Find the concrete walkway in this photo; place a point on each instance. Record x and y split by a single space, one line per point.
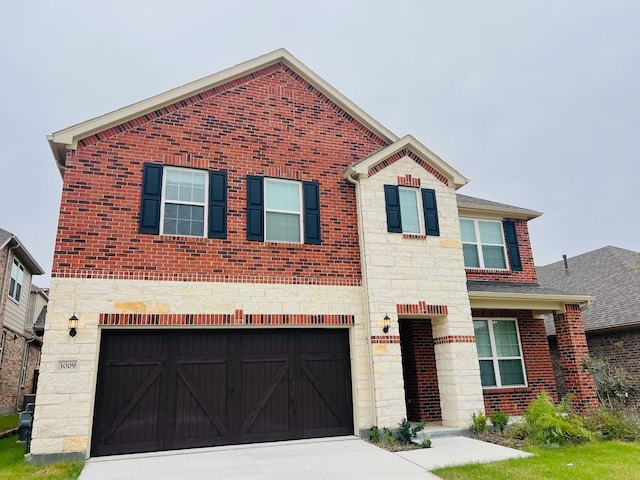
338 458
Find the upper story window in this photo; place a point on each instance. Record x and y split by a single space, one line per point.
183 201
184 206
483 244
283 210
403 210
499 352
17 277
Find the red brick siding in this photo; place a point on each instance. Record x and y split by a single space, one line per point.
419 370
528 273
620 349
572 348
268 123
537 361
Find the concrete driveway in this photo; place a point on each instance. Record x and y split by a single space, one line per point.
338 458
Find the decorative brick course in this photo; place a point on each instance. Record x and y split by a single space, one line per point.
421 308
408 181
407 153
236 318
385 339
454 339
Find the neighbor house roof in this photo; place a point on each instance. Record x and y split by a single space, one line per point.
67 139
8 239
611 275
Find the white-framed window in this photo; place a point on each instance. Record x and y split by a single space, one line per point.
483 244
283 211
499 352
184 202
17 277
409 210
3 338
25 359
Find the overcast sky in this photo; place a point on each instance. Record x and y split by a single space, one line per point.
536 102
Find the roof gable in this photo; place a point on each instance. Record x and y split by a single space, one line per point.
408 146
68 138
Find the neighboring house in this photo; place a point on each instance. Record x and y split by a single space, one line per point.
20 304
612 322
252 257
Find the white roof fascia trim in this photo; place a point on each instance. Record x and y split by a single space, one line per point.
528 301
70 135
493 211
361 169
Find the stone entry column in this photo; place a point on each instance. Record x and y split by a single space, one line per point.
572 348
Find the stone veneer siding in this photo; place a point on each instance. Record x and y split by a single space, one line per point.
405 269
59 429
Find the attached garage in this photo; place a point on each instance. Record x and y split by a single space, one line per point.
172 389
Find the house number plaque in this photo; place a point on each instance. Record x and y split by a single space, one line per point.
67 365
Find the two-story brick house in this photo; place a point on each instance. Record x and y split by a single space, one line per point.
20 305
252 257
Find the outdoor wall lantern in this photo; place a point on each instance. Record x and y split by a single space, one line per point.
73 325
386 323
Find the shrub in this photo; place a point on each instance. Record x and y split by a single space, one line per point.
499 420
551 424
374 434
479 423
612 383
425 443
388 436
621 424
406 433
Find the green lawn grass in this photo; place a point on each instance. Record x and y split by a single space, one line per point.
8 421
590 461
13 466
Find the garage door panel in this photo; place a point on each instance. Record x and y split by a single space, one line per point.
178 389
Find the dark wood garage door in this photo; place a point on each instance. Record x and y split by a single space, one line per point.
171 389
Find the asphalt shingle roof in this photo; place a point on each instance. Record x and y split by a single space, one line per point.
611 275
521 288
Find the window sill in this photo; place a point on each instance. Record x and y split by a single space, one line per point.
487 270
502 390
416 236
283 245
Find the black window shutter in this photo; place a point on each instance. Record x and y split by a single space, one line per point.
431 224
392 203
149 221
512 245
311 198
217 204
255 208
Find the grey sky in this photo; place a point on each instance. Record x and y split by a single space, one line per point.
537 102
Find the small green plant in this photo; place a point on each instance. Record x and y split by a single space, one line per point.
499 420
388 436
479 423
425 443
551 424
374 434
406 433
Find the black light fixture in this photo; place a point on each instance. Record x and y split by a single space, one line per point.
73 325
386 323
